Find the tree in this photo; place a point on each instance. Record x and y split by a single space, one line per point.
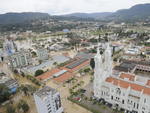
33 53
87 70
10 109
24 89
22 105
4 93
39 72
16 71
55 63
40 61
92 63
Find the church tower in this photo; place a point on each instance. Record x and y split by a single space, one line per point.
103 69
108 60
98 69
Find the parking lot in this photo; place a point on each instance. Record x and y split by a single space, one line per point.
85 100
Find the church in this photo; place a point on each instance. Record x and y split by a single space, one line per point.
125 91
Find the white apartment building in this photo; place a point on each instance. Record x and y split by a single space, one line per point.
125 91
20 59
48 100
42 54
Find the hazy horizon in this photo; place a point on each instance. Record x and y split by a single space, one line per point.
60 7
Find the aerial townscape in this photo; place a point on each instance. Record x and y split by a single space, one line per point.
75 62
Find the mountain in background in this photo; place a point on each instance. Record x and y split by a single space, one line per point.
15 18
135 13
89 15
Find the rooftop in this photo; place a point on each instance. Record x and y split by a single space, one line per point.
139 62
10 82
125 67
48 74
127 76
148 83
58 74
124 83
76 65
45 91
85 55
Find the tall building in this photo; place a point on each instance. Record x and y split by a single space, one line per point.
42 54
9 47
48 101
125 91
20 59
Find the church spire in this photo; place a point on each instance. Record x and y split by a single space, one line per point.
98 51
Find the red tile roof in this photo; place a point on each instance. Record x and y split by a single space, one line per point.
126 84
148 83
48 74
64 77
127 76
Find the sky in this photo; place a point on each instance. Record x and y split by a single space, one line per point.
59 7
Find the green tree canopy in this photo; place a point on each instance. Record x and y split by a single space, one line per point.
10 109
23 106
39 72
92 63
4 93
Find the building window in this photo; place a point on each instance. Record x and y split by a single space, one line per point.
137 106
143 108
134 105
145 100
111 97
57 102
50 111
118 91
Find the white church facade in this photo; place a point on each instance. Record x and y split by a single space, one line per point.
126 91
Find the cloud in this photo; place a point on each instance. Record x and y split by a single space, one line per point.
66 6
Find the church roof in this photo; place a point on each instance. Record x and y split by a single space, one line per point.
124 83
148 83
127 76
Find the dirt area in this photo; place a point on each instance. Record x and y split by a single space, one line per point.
71 53
68 106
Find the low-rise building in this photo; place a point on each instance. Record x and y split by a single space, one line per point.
10 83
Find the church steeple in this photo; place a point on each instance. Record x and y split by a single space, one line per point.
103 68
98 61
108 60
